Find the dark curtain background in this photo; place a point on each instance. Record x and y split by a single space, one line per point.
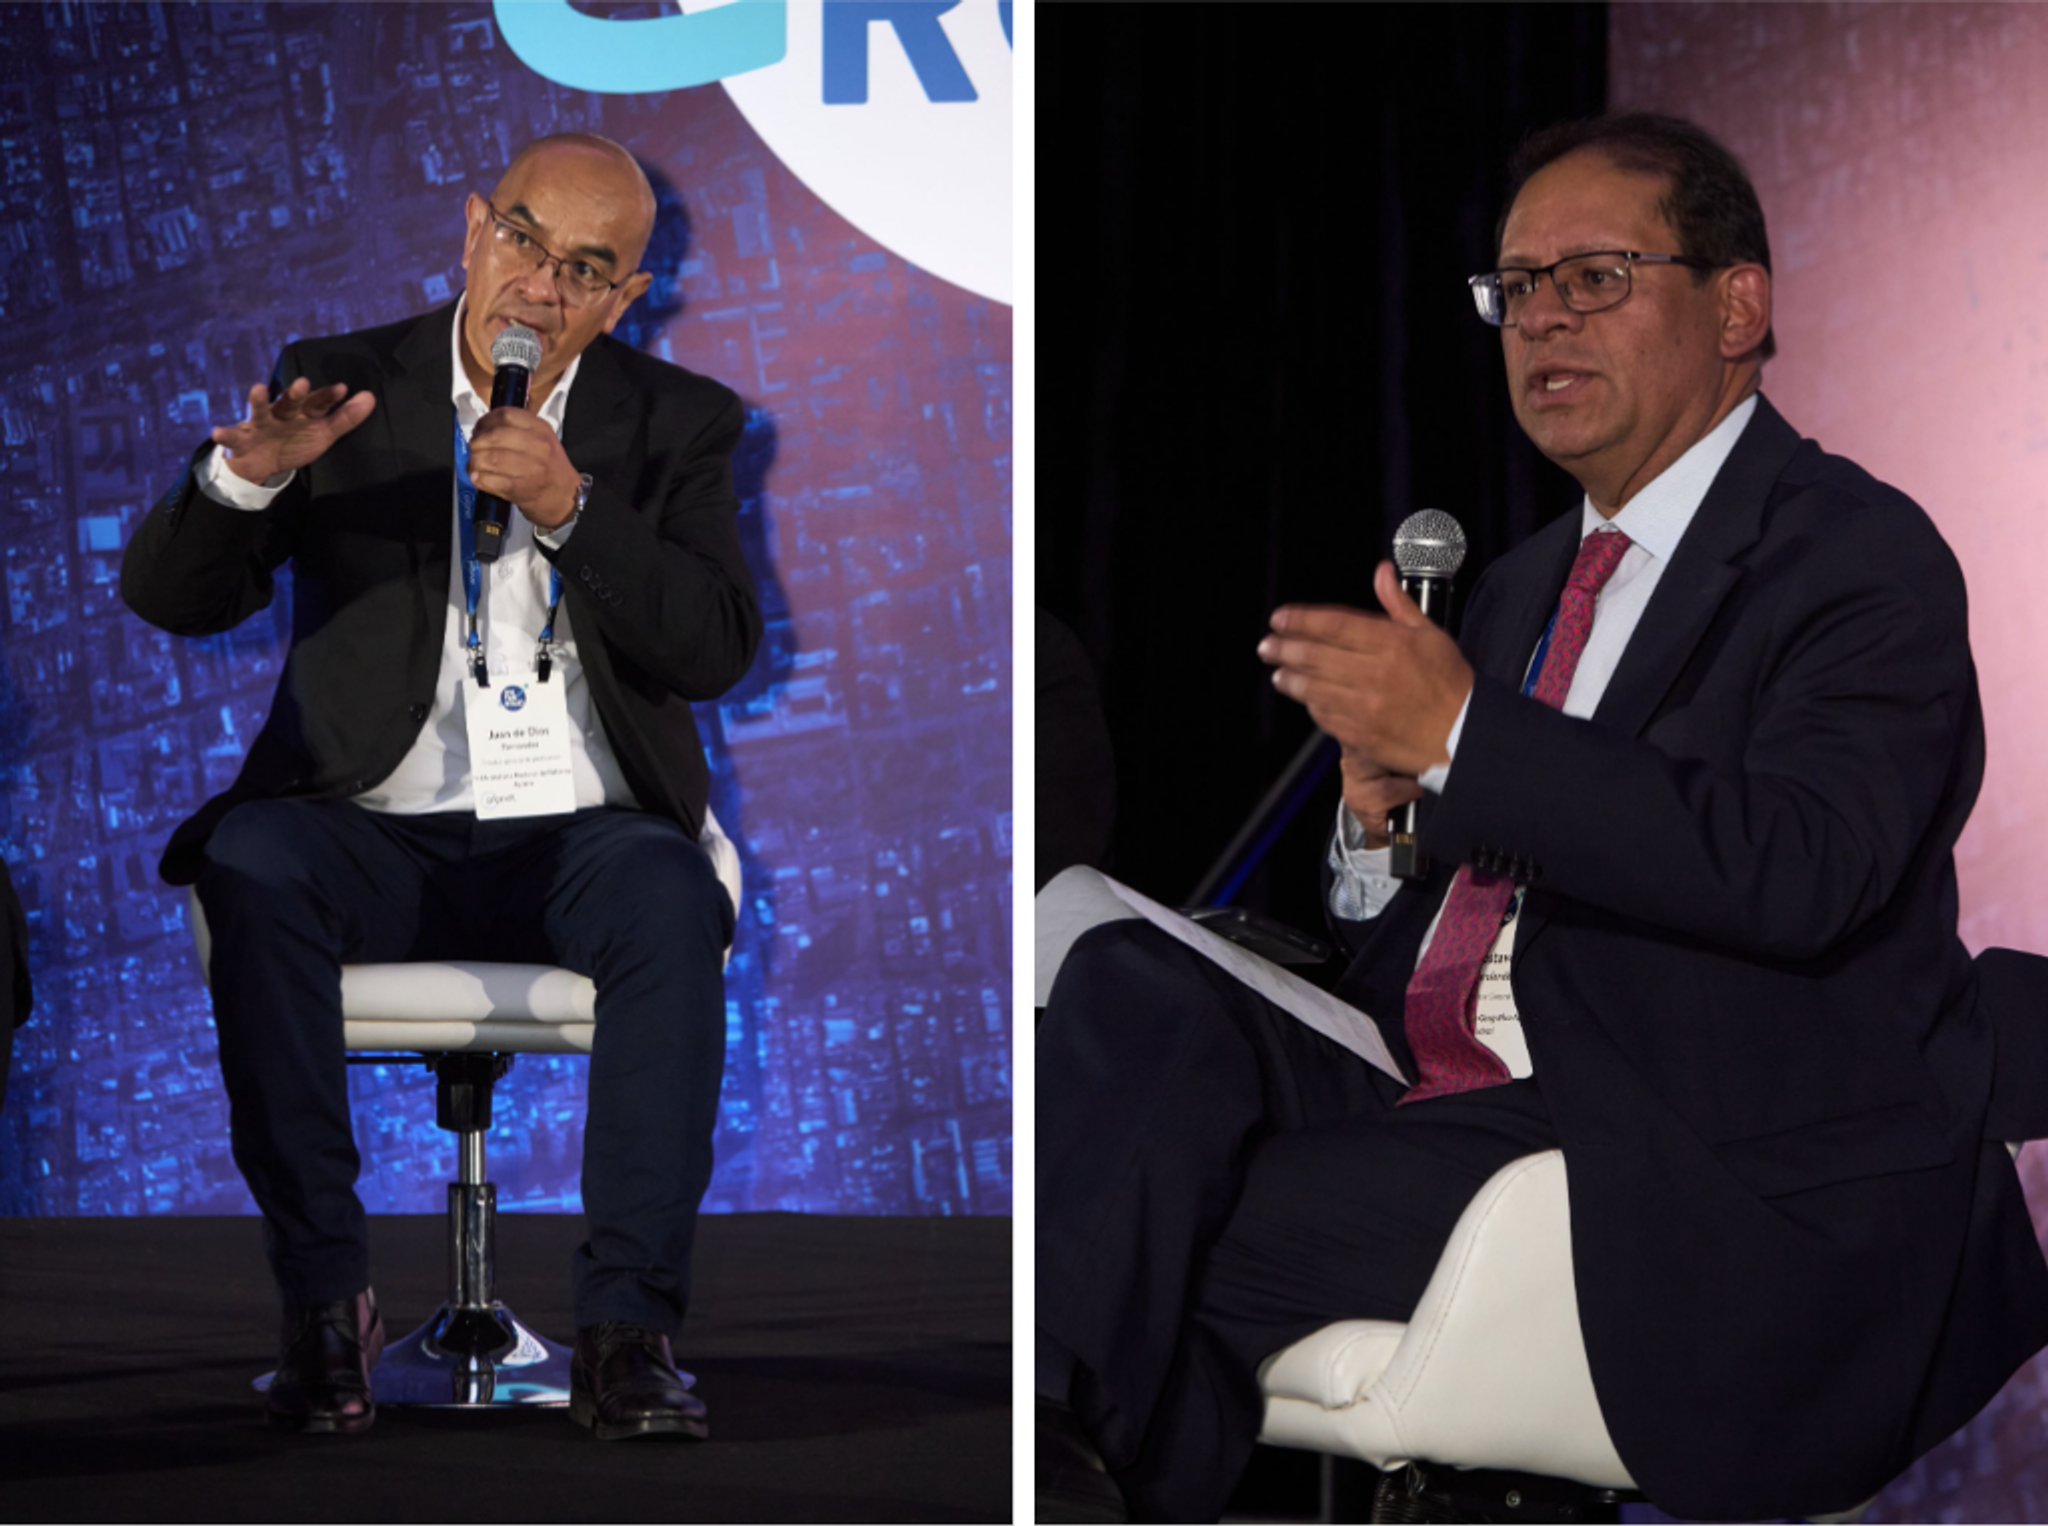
1257 355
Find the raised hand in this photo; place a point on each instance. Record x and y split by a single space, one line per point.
1387 688
292 432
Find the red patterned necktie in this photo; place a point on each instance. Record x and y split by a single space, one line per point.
1441 993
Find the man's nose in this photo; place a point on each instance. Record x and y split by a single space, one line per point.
1544 312
538 284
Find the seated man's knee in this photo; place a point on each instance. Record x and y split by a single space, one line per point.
1129 958
657 888
261 843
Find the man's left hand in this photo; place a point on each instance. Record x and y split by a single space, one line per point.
515 455
1388 689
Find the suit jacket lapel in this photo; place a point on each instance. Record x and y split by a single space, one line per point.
1702 571
1528 608
422 419
601 422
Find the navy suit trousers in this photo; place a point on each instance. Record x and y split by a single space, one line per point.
1215 1181
294 889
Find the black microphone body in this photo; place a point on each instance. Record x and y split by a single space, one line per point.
1428 550
514 354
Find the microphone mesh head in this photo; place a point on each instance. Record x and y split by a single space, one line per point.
1429 544
518 345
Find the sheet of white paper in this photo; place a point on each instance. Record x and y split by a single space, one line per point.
1497 1022
1080 898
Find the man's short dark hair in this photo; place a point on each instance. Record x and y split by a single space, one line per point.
1711 205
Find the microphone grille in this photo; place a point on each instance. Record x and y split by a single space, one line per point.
517 345
1429 544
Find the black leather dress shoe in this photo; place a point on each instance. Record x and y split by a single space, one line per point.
322 1382
623 1384
1073 1486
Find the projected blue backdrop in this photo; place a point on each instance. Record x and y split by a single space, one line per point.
184 189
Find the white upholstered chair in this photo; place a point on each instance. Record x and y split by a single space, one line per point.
1490 1373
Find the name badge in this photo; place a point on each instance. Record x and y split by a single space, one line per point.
519 748
1496 1022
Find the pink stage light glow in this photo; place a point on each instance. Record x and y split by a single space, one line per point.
1901 154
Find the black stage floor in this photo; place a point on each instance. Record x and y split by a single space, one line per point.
856 1369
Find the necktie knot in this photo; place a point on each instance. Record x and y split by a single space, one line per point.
1599 554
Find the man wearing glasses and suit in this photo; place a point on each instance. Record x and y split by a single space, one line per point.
1696 766
355 832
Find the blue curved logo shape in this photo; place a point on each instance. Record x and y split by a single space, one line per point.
652 53
512 697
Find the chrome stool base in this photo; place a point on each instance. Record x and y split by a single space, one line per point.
472 1359
469 1359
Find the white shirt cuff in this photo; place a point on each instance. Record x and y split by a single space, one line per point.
1361 882
558 537
224 487
1434 779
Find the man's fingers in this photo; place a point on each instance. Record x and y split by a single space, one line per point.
1310 655
1331 624
317 405
1401 609
1391 793
353 412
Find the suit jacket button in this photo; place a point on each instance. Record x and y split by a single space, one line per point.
588 575
417 712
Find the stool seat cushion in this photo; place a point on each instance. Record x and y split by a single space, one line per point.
431 992
509 1008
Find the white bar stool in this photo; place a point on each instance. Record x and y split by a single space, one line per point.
467 1020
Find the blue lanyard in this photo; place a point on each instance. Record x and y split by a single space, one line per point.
1536 662
473 572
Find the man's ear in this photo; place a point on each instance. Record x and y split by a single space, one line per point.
474 216
1745 310
626 296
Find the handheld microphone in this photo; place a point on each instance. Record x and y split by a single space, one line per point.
515 355
1429 548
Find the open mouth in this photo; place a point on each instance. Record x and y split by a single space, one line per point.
1557 386
503 321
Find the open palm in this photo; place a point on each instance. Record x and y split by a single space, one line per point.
292 432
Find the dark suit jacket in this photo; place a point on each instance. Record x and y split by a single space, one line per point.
662 603
1799 1262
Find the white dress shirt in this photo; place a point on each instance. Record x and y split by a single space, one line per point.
1655 520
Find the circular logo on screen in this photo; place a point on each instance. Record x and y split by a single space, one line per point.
512 697
898 118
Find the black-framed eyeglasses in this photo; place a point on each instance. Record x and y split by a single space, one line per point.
577 280
1586 283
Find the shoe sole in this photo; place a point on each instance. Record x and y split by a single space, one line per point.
583 1410
319 1425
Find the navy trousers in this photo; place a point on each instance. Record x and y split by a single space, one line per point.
294 889
1216 1181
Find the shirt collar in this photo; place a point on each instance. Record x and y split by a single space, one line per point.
469 407
1657 517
